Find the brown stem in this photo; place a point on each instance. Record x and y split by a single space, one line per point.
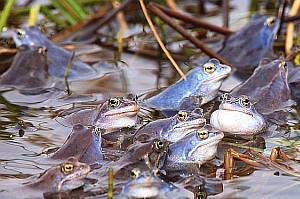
193 20
81 25
185 34
107 18
228 165
225 5
291 18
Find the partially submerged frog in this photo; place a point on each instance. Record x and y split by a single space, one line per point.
83 143
202 81
237 116
58 57
245 48
29 69
195 148
146 184
174 128
113 114
61 177
268 90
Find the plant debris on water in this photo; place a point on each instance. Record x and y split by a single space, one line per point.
149 99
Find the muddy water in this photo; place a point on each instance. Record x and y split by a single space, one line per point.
21 156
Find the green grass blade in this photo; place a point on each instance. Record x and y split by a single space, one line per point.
66 15
47 12
33 14
5 13
77 8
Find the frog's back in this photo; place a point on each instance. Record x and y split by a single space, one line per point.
58 57
245 48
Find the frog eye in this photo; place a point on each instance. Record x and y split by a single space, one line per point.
158 145
114 102
209 67
202 134
244 101
182 115
98 131
135 173
226 97
271 21
21 33
283 65
67 168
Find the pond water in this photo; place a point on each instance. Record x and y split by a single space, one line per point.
21 155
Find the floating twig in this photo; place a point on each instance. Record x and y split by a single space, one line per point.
185 34
5 13
290 27
159 40
195 21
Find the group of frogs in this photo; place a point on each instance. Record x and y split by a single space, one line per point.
195 116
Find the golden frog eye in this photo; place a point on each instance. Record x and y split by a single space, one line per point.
98 131
67 168
202 134
182 115
244 101
135 173
209 68
271 21
158 144
114 102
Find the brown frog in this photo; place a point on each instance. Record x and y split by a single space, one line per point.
113 114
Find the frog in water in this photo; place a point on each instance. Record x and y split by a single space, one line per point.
113 114
195 148
268 90
29 69
83 143
202 81
146 184
61 177
174 128
237 116
245 48
58 57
